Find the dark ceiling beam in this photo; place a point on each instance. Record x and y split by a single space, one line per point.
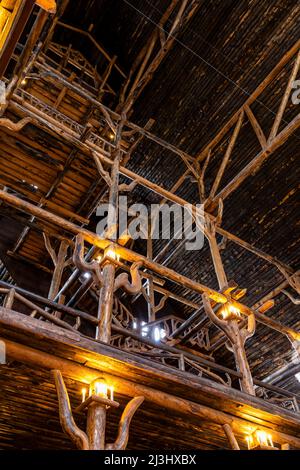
96 44
164 193
165 41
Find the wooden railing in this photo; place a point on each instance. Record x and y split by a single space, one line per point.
43 309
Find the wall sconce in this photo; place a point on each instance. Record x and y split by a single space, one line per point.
100 393
260 440
100 389
229 312
109 255
97 403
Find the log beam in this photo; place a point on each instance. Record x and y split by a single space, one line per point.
86 375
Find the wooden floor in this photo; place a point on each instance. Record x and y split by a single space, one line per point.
29 408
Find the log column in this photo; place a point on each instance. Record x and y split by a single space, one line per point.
237 338
107 290
59 262
96 424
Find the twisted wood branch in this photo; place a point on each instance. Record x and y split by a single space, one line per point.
15 126
133 287
78 260
124 425
67 422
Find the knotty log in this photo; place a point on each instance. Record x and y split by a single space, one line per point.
86 375
133 257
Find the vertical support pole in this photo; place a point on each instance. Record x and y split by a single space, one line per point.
231 437
58 270
150 290
211 235
96 424
237 338
103 332
246 382
217 260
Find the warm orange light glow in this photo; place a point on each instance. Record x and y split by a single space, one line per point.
264 438
83 391
48 5
101 389
249 440
228 311
259 439
110 253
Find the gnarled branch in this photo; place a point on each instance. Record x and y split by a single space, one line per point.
122 281
249 331
105 174
14 126
126 188
292 299
82 265
222 324
49 248
123 433
67 422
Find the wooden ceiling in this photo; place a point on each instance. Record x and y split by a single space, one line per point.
222 55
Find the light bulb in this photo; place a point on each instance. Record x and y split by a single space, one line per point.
101 389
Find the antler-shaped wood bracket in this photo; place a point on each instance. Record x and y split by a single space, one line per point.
94 438
133 287
78 259
237 337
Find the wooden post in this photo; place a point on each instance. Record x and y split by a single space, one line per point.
150 287
285 98
106 298
210 233
241 358
59 262
96 424
231 437
227 156
237 338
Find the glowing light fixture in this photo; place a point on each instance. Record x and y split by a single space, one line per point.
259 440
144 329
102 389
159 334
229 312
